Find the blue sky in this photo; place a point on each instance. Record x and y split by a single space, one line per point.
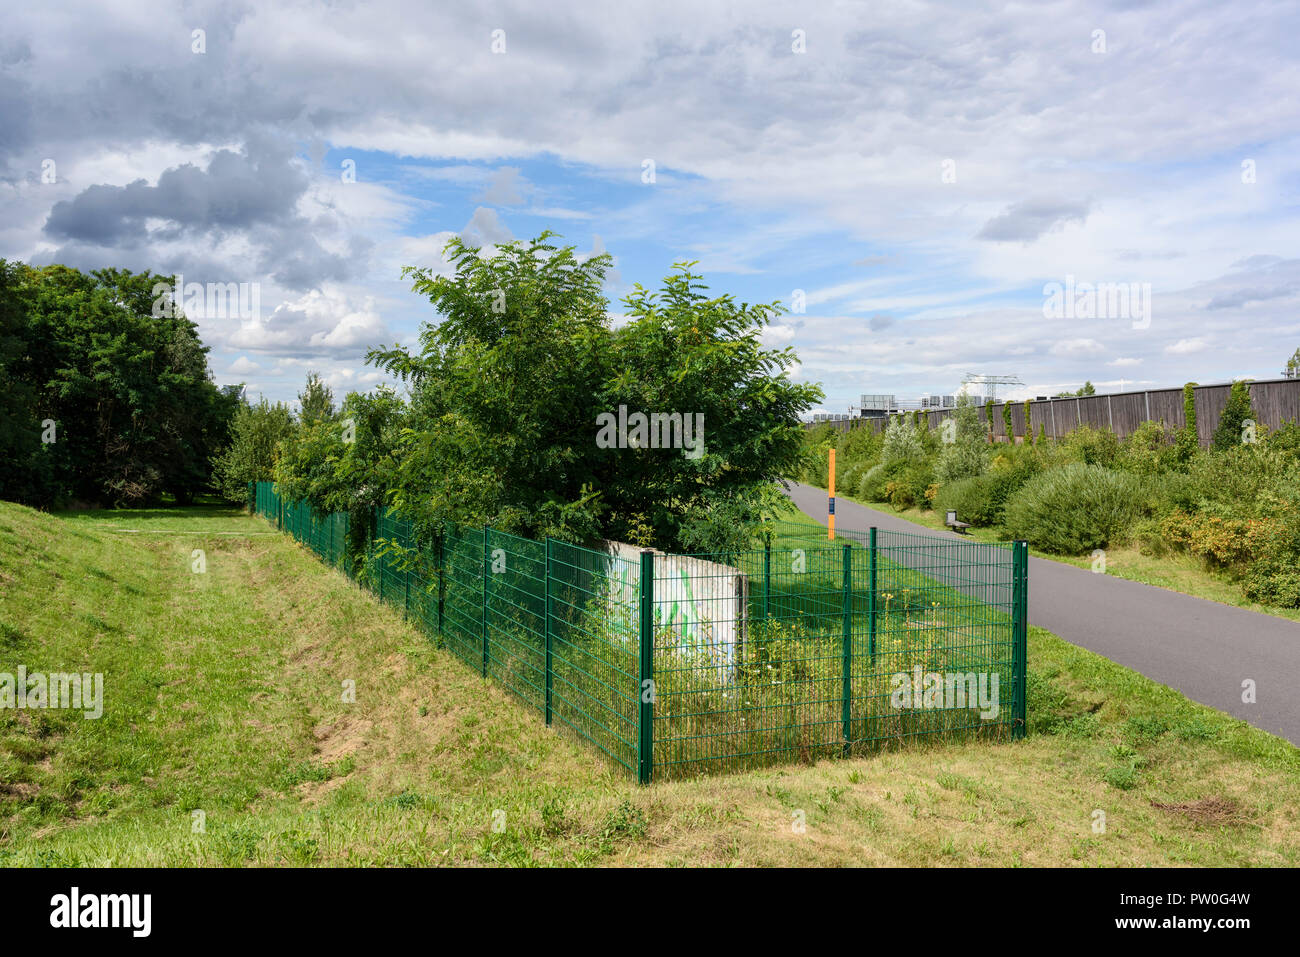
918 171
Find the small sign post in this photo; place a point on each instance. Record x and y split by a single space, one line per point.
830 514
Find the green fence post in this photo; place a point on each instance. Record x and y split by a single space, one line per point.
486 558
442 574
846 697
1020 633
871 598
546 626
383 560
767 578
406 600
645 689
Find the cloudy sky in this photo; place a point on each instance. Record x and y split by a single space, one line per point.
907 177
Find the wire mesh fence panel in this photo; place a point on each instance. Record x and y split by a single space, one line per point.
675 665
939 614
463 601
422 578
595 649
399 561
516 615
945 636
747 659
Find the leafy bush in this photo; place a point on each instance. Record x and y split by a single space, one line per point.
1236 413
1222 543
1150 450
1178 490
1273 583
960 460
1091 446
973 498
871 487
255 433
1246 481
910 487
860 443
1076 508
1149 537
513 446
1274 575
899 495
1285 439
980 500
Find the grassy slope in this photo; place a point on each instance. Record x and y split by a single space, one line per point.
1182 573
224 694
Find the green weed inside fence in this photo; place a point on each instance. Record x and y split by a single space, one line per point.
674 665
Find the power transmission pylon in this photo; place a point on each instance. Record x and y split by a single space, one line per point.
991 382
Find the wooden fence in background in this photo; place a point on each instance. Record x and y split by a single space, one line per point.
1274 400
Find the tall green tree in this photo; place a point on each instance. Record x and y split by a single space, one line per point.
964 449
24 472
514 390
344 463
256 433
134 410
502 389
316 400
701 356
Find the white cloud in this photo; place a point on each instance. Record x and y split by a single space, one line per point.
506 189
781 170
321 322
1078 347
485 228
1186 347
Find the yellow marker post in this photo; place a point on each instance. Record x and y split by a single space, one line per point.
830 515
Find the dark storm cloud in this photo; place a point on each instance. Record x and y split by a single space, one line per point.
235 192
15 120
254 193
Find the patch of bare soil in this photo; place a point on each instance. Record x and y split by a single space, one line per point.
1213 811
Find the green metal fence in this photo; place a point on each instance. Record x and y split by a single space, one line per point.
673 665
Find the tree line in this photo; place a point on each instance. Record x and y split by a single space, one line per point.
103 403
495 418
497 421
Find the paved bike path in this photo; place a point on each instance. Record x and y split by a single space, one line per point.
1202 648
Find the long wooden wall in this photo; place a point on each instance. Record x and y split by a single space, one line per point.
1275 401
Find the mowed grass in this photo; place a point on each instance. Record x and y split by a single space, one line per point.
224 693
